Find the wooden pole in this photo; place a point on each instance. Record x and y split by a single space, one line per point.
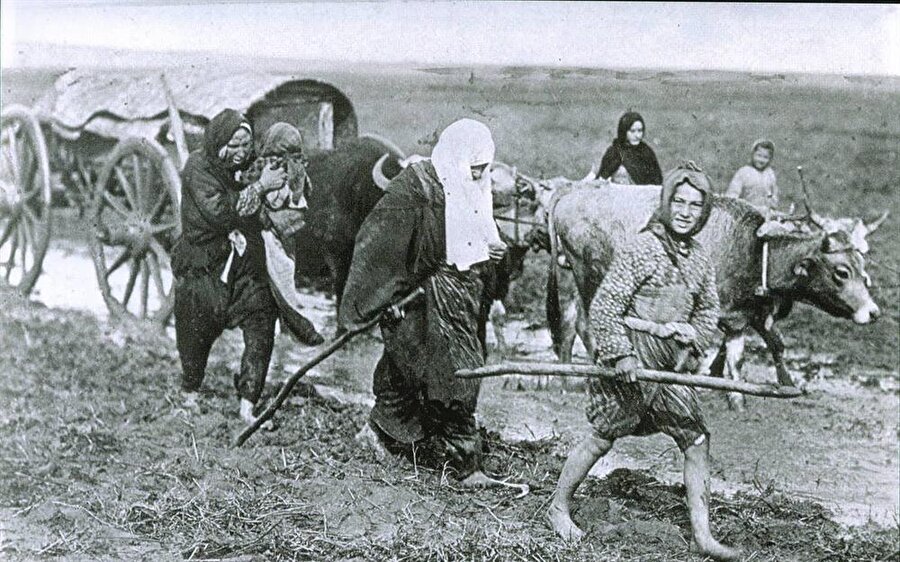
575 370
335 345
177 126
806 202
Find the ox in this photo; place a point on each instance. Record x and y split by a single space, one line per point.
821 268
342 194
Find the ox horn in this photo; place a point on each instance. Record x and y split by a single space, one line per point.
873 226
378 175
387 143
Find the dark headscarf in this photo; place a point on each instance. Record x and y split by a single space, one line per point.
639 160
661 221
220 130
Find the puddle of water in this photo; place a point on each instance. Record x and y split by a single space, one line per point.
68 281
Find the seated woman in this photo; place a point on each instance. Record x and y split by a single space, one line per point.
629 160
282 217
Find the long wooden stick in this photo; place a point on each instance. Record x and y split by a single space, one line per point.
575 370
177 126
335 345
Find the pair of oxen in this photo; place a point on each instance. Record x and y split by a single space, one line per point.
809 259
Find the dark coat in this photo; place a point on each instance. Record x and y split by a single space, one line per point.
400 244
209 194
639 160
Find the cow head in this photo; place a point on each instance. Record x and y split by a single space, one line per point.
833 278
855 228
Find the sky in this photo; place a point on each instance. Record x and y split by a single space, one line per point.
840 39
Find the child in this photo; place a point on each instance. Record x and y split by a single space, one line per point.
755 183
282 217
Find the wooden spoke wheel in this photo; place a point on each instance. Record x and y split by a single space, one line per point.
24 199
136 221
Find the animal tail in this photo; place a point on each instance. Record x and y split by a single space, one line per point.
554 313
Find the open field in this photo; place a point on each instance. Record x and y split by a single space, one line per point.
102 463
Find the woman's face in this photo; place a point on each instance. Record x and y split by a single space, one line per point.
477 171
237 151
685 208
635 134
761 158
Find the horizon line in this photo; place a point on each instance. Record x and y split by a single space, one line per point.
410 62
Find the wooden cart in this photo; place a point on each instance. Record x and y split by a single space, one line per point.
112 143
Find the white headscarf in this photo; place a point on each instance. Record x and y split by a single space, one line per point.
469 209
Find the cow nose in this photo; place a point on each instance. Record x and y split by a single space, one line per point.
876 312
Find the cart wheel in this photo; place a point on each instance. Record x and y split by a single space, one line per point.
136 221
24 199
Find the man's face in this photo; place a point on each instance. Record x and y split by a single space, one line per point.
477 171
238 148
685 208
635 133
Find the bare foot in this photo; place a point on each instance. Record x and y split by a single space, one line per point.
191 401
250 419
561 522
716 550
479 479
369 439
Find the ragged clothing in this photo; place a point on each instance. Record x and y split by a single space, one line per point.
417 396
219 265
401 246
650 297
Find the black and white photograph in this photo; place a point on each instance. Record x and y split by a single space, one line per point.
449 281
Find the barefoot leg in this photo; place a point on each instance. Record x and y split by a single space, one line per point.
696 482
577 466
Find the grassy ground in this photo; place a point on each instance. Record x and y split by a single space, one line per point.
103 464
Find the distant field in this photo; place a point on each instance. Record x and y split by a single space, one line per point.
845 132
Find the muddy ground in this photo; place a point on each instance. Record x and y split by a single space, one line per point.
100 462
103 463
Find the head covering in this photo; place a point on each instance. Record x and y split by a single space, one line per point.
468 211
661 221
283 146
281 139
639 160
220 130
763 143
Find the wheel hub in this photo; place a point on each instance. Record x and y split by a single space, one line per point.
135 232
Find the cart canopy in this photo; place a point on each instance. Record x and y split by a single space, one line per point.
119 104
